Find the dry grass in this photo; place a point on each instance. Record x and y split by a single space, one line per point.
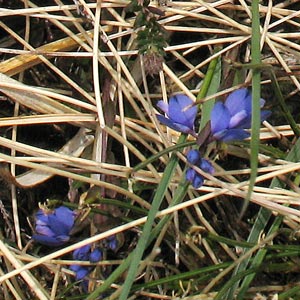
104 38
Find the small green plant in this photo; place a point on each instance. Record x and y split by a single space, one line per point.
151 36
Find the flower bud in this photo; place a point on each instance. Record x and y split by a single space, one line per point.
193 157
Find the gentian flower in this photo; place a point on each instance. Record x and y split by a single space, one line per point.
53 228
85 254
181 113
194 158
230 119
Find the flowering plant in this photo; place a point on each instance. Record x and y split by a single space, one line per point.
194 158
85 254
53 228
181 113
230 119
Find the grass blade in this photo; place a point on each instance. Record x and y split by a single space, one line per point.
255 121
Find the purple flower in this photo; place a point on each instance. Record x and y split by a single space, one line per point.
112 242
194 178
95 255
181 113
194 158
230 119
206 166
85 254
82 253
80 271
53 229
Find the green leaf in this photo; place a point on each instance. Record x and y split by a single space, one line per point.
255 121
207 106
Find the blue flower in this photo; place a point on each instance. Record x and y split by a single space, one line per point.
181 113
85 254
194 158
82 253
194 178
95 255
53 228
112 243
230 119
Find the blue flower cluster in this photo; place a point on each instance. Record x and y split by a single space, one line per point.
194 158
53 227
85 254
228 122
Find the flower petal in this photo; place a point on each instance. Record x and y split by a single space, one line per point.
75 268
246 123
198 181
82 253
264 115
184 129
163 106
44 230
262 102
41 217
248 103
165 121
220 118
112 242
63 238
235 134
173 125
190 174
58 227
179 113
193 157
82 272
61 221
194 178
206 166
47 240
238 118
66 216
95 256
238 100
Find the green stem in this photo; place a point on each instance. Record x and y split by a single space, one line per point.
255 121
142 243
156 156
